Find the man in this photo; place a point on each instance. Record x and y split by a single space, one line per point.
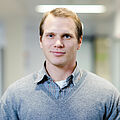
60 90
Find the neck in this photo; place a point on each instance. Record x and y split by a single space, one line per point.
58 73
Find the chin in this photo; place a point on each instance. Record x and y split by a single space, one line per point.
58 63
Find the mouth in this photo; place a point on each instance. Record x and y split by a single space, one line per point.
58 53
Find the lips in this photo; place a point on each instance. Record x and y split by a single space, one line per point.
58 53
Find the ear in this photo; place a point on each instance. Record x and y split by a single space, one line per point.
41 42
80 42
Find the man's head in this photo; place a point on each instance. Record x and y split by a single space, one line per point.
63 12
60 37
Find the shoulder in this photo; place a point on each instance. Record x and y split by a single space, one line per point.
98 81
19 87
100 86
22 83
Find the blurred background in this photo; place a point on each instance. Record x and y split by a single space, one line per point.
20 53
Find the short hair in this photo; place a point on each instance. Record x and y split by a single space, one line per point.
63 12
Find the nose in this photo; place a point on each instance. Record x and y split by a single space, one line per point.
58 43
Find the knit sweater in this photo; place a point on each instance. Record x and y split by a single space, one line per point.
92 98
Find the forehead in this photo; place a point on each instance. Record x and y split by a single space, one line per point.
59 24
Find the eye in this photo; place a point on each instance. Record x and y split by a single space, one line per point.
66 36
50 35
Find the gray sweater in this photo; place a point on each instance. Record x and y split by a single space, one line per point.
92 99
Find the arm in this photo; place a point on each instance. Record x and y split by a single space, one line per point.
8 107
113 111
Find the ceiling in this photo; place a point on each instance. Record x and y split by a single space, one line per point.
93 23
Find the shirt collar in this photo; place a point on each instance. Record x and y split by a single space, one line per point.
77 74
39 76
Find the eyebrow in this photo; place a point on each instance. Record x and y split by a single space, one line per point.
68 34
49 33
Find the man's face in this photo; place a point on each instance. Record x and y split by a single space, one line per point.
59 41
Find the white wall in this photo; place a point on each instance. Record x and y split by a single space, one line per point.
13 51
85 55
2 44
34 58
115 62
0 73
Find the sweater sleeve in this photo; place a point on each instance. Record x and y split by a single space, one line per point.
8 106
113 107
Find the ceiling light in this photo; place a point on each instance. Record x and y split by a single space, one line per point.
74 8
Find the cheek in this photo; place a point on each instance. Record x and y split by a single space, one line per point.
71 50
72 46
46 44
